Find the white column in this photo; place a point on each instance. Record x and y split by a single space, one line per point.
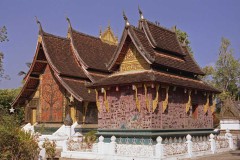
159 148
113 145
213 143
189 145
228 136
101 145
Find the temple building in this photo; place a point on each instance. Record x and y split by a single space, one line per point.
148 84
55 83
154 87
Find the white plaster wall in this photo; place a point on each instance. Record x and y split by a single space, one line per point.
230 124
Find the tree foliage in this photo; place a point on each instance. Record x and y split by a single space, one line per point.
225 75
183 38
3 37
6 98
16 144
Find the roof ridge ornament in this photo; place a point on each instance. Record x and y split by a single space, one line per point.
140 13
126 19
39 25
100 32
174 28
69 22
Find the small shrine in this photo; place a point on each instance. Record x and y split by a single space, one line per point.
230 115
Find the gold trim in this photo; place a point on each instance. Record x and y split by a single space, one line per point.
39 39
146 98
97 101
213 106
206 106
155 101
188 105
105 99
136 98
165 102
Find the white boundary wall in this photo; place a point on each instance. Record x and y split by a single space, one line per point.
174 148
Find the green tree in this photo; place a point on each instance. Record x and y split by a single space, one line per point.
183 38
225 75
3 37
6 98
227 71
209 71
16 144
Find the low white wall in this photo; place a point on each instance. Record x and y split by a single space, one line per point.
230 124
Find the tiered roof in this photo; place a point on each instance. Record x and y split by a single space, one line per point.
170 61
82 58
72 61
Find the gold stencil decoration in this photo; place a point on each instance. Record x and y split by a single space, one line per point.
213 106
146 98
136 98
108 36
105 99
206 106
133 61
189 103
155 101
97 101
165 102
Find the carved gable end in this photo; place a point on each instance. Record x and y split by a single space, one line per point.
108 37
133 60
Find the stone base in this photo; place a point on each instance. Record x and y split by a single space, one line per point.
152 134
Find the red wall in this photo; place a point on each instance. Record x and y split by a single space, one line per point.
124 115
51 98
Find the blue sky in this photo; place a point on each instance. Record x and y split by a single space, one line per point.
205 21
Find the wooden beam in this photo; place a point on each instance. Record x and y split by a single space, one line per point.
30 89
37 78
41 61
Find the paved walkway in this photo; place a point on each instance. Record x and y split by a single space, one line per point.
231 155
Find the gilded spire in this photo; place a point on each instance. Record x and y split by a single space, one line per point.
39 25
126 19
140 13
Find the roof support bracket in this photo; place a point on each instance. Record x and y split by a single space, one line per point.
146 98
165 102
155 101
136 98
188 105
97 101
206 106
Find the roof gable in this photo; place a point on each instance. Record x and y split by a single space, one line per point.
133 60
137 38
108 37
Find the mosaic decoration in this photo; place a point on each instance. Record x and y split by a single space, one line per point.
51 98
124 114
